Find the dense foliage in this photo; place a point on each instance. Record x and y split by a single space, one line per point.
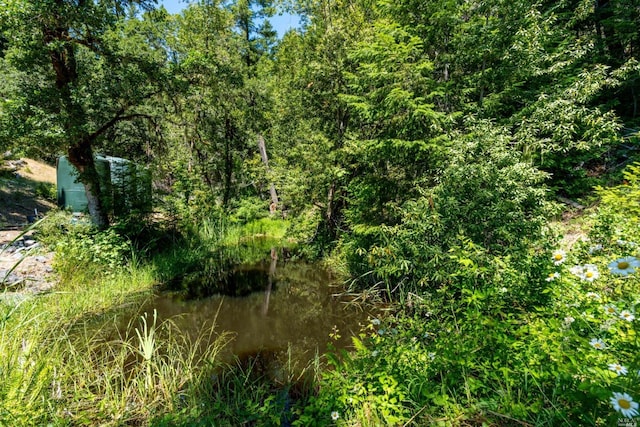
418 147
472 353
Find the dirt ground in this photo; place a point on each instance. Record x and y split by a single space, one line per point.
26 187
25 266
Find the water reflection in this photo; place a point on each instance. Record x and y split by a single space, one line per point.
293 308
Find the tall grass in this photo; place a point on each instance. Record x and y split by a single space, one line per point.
147 370
245 393
70 357
65 360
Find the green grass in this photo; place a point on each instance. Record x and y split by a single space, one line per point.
495 344
70 358
62 361
483 349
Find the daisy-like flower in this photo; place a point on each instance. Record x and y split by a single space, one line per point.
552 276
610 309
375 322
590 273
624 266
624 404
593 295
598 344
559 257
618 368
335 415
627 315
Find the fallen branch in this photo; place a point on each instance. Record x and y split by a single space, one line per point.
570 202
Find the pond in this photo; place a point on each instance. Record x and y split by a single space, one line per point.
282 314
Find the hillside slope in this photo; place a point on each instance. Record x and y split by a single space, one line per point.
26 186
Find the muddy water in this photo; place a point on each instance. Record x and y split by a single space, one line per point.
285 315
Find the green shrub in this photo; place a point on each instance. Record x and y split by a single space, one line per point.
58 224
250 209
489 211
47 191
535 337
80 248
489 194
623 199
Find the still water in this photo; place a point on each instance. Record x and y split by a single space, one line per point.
287 312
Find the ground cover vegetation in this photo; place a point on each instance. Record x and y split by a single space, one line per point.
419 148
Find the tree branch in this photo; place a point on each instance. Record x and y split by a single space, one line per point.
118 118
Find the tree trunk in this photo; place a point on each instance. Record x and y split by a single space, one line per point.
272 188
330 214
95 206
230 135
81 156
